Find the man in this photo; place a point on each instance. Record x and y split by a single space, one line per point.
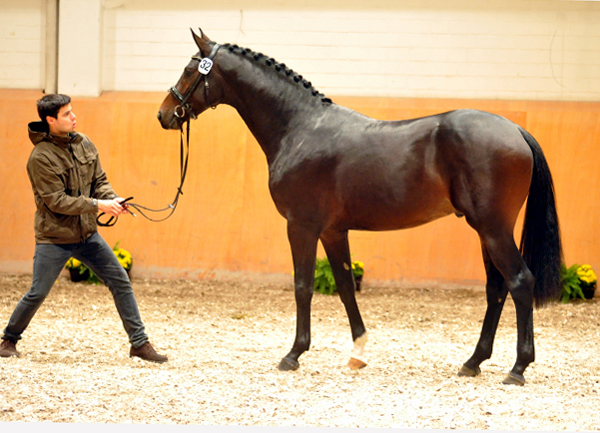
70 188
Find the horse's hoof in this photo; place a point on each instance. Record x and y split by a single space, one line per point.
466 371
514 379
356 364
288 365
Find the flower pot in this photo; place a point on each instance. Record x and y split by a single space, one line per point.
77 277
357 281
588 293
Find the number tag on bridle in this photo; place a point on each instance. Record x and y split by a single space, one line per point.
205 66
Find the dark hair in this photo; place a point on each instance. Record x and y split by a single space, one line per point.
51 104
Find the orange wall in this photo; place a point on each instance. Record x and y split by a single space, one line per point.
226 223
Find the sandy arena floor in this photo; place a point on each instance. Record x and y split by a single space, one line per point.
225 339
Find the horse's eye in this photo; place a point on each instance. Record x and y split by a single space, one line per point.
188 73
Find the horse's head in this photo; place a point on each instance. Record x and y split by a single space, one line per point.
194 92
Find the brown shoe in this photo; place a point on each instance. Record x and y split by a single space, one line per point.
8 349
147 352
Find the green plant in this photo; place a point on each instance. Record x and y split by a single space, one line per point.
325 283
123 256
574 280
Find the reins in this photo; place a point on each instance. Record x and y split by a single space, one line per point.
204 66
183 165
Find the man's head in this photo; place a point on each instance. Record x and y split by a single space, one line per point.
55 110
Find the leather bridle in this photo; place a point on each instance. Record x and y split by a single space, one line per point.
204 67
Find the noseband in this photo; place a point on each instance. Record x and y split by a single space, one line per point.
204 67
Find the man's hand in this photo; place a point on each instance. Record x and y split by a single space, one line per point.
112 207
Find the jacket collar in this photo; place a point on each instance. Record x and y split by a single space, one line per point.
38 132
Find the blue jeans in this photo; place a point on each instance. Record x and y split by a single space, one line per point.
95 253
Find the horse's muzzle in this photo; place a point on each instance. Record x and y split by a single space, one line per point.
169 121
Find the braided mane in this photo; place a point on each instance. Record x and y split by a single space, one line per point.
278 67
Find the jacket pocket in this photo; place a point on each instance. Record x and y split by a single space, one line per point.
57 227
85 166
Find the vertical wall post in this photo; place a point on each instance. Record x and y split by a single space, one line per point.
80 47
51 46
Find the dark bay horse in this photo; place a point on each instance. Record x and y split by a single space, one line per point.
332 169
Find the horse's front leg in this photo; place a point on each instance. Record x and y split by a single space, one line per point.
303 242
338 252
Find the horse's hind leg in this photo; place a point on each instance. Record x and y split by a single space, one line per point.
338 252
496 292
519 280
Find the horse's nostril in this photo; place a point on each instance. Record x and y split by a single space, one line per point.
159 115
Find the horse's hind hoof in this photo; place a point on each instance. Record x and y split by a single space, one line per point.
468 372
288 365
514 379
356 364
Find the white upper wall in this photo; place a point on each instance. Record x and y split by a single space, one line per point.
22 43
512 49
80 47
519 49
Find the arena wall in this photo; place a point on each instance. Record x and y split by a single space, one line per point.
514 49
533 61
226 223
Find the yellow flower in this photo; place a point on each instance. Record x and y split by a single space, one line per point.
73 263
124 257
586 274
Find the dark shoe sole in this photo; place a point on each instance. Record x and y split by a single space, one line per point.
161 361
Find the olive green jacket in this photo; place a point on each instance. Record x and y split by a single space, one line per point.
66 176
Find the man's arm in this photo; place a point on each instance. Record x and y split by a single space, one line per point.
51 188
107 200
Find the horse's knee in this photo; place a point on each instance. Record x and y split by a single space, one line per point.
303 298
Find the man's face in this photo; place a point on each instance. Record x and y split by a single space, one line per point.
64 123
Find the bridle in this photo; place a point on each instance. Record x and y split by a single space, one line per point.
204 67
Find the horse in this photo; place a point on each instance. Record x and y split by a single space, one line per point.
332 169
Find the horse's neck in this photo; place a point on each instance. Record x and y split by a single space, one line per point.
271 106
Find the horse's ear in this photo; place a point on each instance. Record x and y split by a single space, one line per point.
202 42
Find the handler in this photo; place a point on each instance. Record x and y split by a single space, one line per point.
70 188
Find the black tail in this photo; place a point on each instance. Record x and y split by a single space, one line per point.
540 240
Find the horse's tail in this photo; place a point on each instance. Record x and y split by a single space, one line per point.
540 239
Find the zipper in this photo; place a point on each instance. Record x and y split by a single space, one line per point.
76 168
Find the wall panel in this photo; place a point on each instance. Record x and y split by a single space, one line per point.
515 49
226 223
22 43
